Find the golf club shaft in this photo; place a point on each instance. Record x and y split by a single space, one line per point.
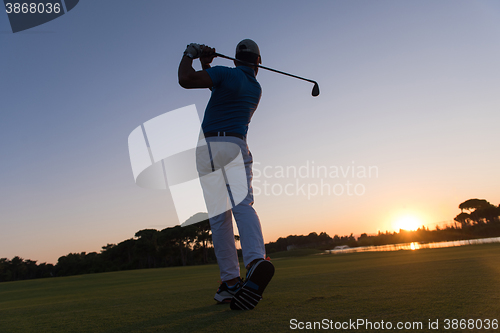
269 69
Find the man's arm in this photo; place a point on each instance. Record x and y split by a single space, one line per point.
189 78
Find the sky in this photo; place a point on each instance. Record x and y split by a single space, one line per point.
409 101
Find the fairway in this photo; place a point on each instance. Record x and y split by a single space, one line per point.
403 286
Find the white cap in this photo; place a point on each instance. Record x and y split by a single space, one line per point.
248 45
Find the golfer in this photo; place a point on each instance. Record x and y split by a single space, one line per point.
234 99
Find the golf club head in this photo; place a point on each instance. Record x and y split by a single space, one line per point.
315 91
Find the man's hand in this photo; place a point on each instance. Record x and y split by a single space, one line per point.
188 77
193 50
206 57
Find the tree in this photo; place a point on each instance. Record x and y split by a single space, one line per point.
486 214
464 219
5 274
181 238
480 212
147 247
17 268
204 238
473 204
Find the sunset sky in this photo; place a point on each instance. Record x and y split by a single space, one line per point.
410 91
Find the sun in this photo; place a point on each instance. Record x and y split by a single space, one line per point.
409 223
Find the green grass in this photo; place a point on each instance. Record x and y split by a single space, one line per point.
294 253
403 286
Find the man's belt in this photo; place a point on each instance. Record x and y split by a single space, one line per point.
210 134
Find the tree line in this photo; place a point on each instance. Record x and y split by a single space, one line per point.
478 219
150 248
192 245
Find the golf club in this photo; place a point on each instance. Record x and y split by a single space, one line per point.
315 91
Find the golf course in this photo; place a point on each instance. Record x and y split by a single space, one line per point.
428 285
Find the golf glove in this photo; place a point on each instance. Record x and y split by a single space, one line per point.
193 50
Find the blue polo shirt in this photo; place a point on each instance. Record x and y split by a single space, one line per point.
235 96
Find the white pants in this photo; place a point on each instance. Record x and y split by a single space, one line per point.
250 232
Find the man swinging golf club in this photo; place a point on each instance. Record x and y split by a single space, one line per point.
235 96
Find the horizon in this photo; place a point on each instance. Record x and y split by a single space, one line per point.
413 228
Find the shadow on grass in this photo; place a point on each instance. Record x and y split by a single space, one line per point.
203 318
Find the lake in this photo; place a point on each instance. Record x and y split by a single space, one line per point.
414 246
